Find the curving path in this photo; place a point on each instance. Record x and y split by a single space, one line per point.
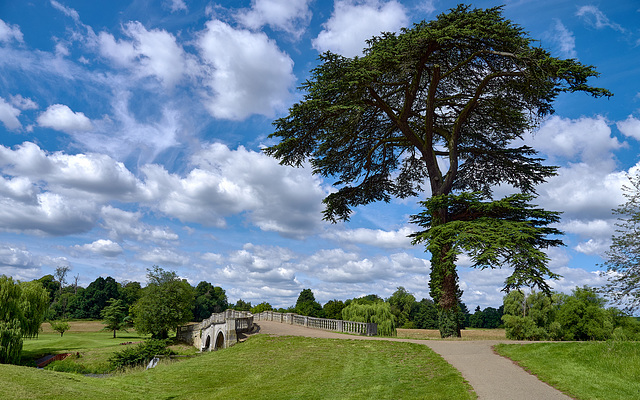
491 376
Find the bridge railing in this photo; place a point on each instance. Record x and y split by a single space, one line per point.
360 328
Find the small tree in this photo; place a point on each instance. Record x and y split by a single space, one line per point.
333 309
60 326
377 312
61 275
307 304
114 316
264 306
23 306
623 257
165 304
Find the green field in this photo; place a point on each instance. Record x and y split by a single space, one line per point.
263 367
584 370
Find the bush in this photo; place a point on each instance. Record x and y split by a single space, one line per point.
140 354
377 312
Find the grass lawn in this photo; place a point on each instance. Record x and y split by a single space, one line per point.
584 370
87 339
263 367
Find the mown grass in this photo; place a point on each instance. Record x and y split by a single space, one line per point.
263 367
584 370
90 345
467 334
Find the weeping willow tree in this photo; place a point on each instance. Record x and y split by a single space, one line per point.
440 108
23 306
377 312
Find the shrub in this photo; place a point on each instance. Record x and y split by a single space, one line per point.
140 354
377 312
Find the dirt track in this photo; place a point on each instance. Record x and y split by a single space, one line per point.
492 377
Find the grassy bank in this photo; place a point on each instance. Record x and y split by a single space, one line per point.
584 370
261 368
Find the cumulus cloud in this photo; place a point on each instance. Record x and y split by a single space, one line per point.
248 73
565 138
9 115
630 127
353 22
121 225
10 32
61 118
23 103
225 182
285 15
373 237
150 53
163 256
102 247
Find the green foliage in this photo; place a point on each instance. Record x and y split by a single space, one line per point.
242 305
139 354
402 303
582 316
509 232
377 312
425 315
165 304
23 306
60 326
623 257
579 316
333 309
264 306
458 92
115 315
209 299
10 341
307 305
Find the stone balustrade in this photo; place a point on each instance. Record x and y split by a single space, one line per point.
359 328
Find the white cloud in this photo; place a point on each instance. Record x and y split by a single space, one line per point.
61 118
102 247
150 53
69 12
374 237
565 138
248 73
121 225
225 182
178 5
596 18
10 32
23 103
353 22
596 247
9 115
163 257
291 16
630 127
564 40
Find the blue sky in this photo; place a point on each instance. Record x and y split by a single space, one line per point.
130 136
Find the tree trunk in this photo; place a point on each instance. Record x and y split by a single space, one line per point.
444 282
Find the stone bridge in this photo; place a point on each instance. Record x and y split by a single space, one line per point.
221 330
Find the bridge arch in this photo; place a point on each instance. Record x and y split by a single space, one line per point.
219 341
208 342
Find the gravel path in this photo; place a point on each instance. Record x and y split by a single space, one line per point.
491 376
